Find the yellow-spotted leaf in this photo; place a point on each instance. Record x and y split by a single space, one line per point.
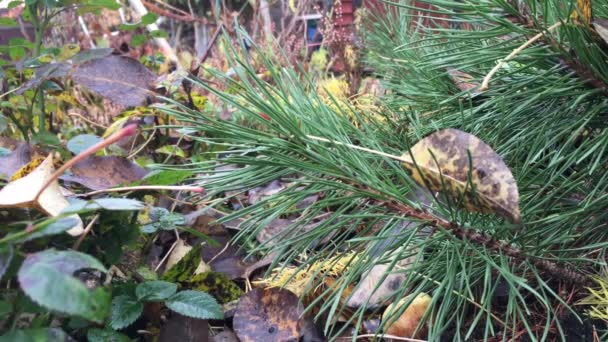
583 11
467 170
21 193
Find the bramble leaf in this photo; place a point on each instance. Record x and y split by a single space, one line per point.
155 290
125 311
48 279
195 304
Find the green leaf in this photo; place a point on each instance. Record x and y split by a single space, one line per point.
35 335
46 138
6 308
125 311
109 203
8 22
48 279
81 142
14 4
16 52
171 150
3 123
52 226
128 27
165 177
106 335
6 256
195 304
149 18
155 290
138 39
159 34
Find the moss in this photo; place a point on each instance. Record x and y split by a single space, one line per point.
217 284
184 269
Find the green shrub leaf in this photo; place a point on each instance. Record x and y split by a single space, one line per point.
155 290
125 311
48 279
195 304
81 142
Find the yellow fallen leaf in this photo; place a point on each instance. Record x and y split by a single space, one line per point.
21 193
408 324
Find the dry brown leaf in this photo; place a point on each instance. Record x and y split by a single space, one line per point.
268 315
601 27
443 165
21 193
121 79
464 81
104 172
407 325
15 160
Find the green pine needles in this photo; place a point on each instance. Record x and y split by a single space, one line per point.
545 112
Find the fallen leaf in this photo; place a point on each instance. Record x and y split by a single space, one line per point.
407 324
601 27
122 80
443 165
271 314
226 336
21 193
12 162
104 172
464 81
182 328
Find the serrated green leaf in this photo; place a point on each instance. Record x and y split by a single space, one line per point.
6 256
35 335
48 279
149 18
155 290
125 311
81 142
195 304
106 335
138 39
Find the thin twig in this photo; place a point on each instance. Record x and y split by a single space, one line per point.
360 148
166 256
87 229
89 121
133 154
486 80
144 187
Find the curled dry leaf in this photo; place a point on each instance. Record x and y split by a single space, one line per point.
21 193
122 80
271 314
408 323
442 163
104 172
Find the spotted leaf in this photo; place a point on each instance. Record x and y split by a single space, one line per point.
467 170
